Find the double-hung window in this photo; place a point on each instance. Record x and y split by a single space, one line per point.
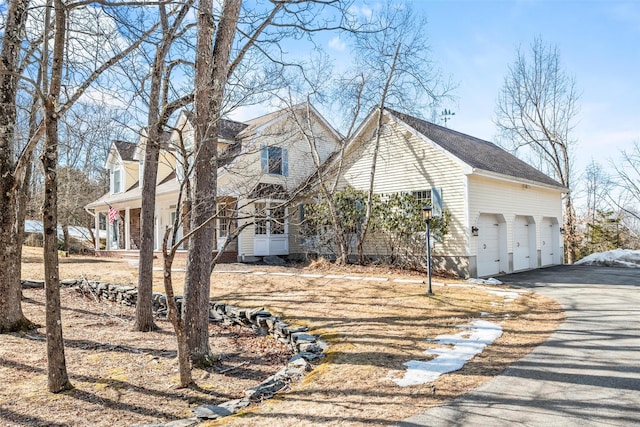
116 179
274 160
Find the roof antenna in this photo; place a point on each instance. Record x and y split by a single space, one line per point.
446 114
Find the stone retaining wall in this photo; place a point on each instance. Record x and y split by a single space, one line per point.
307 347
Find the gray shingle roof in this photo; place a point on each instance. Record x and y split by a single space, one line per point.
126 150
228 129
476 152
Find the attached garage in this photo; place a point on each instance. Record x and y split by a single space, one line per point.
491 244
524 243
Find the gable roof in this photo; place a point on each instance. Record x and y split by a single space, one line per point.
475 152
227 129
126 150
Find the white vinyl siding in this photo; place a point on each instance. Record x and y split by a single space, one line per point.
408 163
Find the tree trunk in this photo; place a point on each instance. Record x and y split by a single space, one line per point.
155 126
211 75
376 148
11 316
144 313
184 360
570 238
57 370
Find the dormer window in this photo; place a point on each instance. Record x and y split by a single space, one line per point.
116 179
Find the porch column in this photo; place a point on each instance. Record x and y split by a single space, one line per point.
96 227
107 243
127 228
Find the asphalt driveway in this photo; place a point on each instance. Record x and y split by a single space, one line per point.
586 374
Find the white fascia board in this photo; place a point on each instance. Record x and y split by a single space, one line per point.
112 157
517 180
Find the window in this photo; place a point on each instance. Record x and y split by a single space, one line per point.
431 198
223 220
116 179
277 220
274 160
270 219
261 220
422 196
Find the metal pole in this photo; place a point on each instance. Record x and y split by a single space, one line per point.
429 291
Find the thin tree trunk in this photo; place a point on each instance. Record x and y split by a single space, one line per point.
376 148
211 76
57 369
11 315
184 360
155 126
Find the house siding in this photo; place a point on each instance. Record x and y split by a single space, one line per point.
407 163
130 175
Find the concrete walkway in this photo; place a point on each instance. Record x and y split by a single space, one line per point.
586 374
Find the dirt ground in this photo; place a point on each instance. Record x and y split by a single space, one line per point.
372 326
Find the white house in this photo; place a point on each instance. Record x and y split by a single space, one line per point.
505 215
262 162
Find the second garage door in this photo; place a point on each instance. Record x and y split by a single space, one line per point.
522 243
488 245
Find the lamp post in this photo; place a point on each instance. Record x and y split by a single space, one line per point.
426 215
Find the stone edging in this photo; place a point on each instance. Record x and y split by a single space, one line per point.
307 347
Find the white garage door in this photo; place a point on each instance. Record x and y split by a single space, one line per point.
521 243
488 245
546 242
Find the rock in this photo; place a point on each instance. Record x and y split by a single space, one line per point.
32 284
298 329
309 347
273 260
235 405
302 337
211 412
298 361
261 321
69 282
252 314
267 388
310 356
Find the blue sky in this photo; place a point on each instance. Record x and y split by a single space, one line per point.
474 42
599 42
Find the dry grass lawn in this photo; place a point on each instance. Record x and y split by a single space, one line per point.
372 327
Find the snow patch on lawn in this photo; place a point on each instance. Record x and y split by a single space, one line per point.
457 350
615 258
507 295
489 281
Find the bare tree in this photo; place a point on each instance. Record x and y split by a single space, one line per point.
15 168
398 73
158 114
57 369
212 69
598 188
628 181
11 315
535 112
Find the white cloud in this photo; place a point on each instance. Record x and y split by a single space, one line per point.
337 44
364 11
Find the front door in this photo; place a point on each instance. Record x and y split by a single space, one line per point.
271 235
